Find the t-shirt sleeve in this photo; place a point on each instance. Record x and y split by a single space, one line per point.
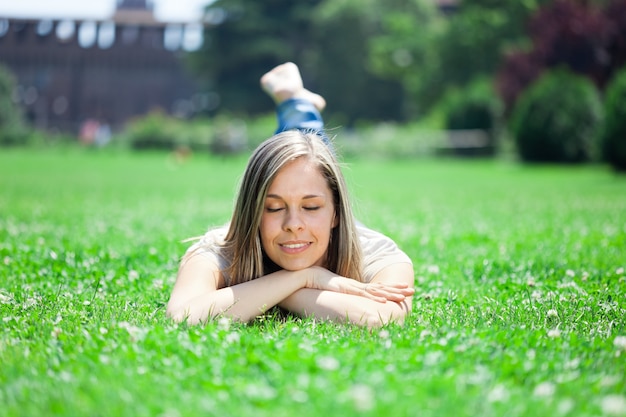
379 252
210 246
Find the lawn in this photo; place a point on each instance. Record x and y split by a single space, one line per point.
519 311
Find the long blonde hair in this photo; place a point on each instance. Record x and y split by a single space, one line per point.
243 242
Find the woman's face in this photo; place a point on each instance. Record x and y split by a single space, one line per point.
298 217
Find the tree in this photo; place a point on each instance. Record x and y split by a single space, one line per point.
12 130
558 118
355 91
432 53
247 39
579 35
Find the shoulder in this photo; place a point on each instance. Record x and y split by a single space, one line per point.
379 251
375 242
209 242
210 246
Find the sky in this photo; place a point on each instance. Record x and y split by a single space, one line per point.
167 10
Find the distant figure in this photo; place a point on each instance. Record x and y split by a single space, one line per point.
88 131
92 132
292 240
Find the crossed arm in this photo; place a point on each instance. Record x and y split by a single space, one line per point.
199 294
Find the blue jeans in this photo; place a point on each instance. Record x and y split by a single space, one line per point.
300 114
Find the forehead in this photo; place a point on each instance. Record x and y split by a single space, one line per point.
298 177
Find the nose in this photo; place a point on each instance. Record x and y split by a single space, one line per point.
293 222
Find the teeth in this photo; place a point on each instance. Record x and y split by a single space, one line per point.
295 245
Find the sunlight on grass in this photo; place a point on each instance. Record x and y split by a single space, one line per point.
519 311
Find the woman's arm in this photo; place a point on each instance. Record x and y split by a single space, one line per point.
394 287
198 293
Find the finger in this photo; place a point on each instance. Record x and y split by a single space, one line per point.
380 289
398 285
393 294
367 293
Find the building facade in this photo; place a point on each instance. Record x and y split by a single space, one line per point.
109 71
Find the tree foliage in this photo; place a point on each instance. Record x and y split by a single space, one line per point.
432 53
327 39
588 38
372 59
614 132
557 119
12 130
247 39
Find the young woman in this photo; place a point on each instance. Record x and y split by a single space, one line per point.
292 240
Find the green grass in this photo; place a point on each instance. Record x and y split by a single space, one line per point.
519 311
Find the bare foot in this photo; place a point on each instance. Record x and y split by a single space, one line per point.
284 82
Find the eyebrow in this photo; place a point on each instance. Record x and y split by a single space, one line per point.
306 197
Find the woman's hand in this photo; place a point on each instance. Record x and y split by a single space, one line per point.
322 279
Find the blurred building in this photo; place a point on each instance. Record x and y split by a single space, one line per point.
73 72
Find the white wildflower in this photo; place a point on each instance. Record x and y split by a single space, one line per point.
260 391
133 275
554 333
614 405
433 269
498 394
362 396
328 363
620 342
552 313
5 299
566 406
30 301
223 323
136 333
619 271
300 397
570 273
56 332
545 389
609 381
53 255
232 337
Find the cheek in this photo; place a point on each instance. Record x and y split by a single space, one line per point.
269 228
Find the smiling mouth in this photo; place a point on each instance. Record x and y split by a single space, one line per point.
295 245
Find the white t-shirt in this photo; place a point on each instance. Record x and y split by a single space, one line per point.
379 251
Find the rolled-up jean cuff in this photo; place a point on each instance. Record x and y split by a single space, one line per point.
300 114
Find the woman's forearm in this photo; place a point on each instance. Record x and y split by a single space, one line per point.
241 302
330 305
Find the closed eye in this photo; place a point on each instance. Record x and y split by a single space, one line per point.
312 208
273 209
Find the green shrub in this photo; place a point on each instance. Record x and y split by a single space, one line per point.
154 131
557 119
12 129
614 132
470 116
158 131
473 107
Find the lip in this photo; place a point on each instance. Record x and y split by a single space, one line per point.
294 247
